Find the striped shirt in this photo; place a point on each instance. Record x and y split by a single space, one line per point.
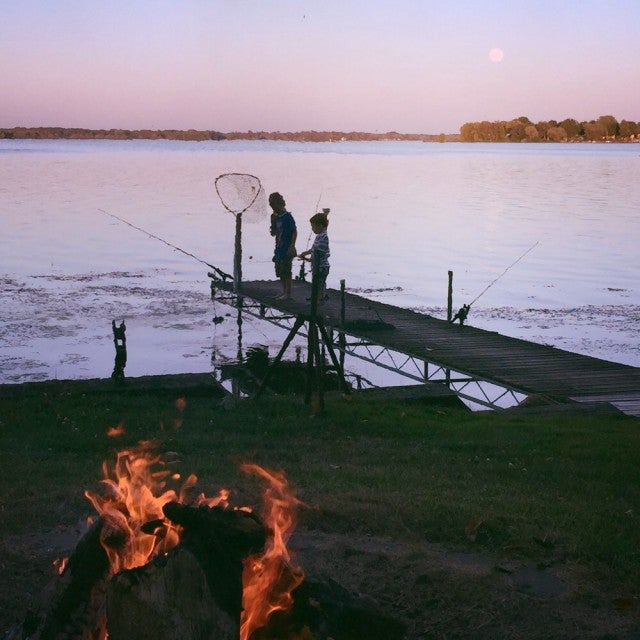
320 250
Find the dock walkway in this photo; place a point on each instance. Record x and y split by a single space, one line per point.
532 369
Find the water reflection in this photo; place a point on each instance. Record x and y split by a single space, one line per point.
403 215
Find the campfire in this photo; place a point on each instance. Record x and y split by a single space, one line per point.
149 541
162 561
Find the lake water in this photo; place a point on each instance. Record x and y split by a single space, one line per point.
402 215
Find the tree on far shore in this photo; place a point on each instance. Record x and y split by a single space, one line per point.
521 129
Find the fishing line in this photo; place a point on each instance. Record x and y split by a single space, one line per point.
315 211
302 275
513 264
169 244
217 319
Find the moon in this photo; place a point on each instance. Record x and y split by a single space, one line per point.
496 55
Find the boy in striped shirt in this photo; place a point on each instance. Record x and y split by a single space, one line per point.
319 252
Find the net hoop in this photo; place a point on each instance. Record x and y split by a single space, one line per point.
239 192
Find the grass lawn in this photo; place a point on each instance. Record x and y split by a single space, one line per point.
557 492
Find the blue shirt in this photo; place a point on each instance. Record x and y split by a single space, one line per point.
284 226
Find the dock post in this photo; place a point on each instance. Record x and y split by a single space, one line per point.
314 373
237 255
449 316
235 383
450 297
341 337
237 284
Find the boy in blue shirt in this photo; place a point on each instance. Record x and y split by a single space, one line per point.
283 227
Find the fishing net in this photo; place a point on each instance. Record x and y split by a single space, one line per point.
242 194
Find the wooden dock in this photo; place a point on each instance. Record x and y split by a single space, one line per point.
548 373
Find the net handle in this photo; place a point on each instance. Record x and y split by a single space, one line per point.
255 197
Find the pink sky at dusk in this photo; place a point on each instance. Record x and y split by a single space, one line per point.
283 65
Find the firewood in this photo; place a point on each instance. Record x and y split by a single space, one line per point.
167 599
220 539
77 595
324 609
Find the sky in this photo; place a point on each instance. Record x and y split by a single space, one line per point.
412 66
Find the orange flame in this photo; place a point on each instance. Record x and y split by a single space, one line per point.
268 579
60 565
114 432
181 404
136 495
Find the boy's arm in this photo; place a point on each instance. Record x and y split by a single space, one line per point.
292 247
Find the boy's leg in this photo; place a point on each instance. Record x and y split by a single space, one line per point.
322 285
285 277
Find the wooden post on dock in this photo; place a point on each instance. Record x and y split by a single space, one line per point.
235 383
314 373
450 297
237 255
341 337
449 316
237 284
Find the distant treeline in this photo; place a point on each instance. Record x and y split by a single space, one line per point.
57 133
604 129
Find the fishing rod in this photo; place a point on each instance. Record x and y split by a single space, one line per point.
463 312
302 276
221 273
513 264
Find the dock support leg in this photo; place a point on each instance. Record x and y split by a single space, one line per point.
334 360
296 327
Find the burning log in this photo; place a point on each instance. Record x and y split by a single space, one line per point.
80 607
167 599
192 593
323 609
73 604
152 566
195 592
220 539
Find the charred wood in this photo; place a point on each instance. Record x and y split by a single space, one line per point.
323 609
167 599
220 539
78 595
193 593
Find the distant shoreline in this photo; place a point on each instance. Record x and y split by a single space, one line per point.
470 132
64 133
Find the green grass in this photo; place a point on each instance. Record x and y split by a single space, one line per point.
536 487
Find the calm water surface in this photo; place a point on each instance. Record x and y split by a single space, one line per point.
402 215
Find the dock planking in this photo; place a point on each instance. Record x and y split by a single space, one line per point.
530 368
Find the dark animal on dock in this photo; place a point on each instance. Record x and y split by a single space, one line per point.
462 314
120 343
